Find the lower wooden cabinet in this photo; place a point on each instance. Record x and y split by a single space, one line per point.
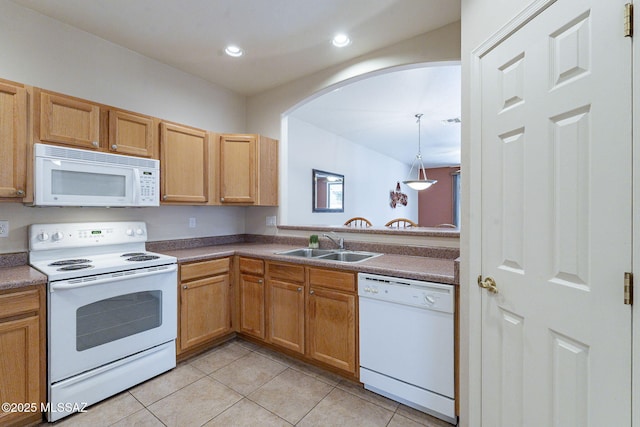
252 297
332 319
22 353
286 306
205 302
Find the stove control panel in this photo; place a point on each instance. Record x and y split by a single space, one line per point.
70 235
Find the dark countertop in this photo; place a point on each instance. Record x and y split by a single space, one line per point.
410 267
441 270
19 277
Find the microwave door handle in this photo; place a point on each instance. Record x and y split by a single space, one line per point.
82 284
136 187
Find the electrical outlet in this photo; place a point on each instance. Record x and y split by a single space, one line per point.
271 221
192 223
4 228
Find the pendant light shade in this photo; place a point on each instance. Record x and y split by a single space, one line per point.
422 183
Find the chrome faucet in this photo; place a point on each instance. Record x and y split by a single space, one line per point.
340 241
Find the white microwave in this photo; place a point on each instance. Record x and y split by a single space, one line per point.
73 177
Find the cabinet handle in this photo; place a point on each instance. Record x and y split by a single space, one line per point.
185 287
311 292
95 144
114 147
20 193
299 289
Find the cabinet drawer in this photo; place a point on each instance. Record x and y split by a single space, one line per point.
252 266
332 279
204 268
288 272
15 303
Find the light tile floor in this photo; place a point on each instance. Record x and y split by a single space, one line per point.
242 384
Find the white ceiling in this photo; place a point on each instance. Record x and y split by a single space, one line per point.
284 40
379 113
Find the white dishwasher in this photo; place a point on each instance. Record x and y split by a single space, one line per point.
407 342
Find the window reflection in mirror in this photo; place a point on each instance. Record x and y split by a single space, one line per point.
328 191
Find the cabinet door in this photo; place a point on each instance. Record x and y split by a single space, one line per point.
20 365
238 169
267 171
131 134
332 328
13 141
252 305
286 315
204 310
69 121
183 164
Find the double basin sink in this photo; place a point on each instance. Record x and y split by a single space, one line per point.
340 255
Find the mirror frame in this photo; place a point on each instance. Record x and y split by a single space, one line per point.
314 178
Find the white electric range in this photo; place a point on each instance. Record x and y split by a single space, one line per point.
111 310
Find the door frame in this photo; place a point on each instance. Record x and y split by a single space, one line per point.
635 238
470 395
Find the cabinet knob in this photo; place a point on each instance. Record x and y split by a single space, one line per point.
114 147
185 287
164 197
259 280
95 144
20 193
299 289
311 292
222 199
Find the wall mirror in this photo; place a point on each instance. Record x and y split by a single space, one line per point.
328 191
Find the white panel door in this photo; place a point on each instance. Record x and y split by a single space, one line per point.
556 220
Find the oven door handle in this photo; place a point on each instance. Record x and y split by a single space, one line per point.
81 283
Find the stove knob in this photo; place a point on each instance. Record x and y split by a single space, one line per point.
129 232
428 299
57 236
139 232
43 237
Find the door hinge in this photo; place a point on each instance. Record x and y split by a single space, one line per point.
628 288
628 20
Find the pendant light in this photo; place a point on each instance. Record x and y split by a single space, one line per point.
424 183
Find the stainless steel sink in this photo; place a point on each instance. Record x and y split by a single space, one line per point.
306 252
330 254
348 256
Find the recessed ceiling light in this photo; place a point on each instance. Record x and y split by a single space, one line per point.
234 51
341 40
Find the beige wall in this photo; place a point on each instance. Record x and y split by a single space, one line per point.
40 51
265 110
480 20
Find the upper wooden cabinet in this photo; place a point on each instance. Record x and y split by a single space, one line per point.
67 120
13 141
248 170
184 164
132 134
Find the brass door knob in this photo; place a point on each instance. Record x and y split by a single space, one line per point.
488 284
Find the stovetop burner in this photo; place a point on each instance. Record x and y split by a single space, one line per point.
70 262
130 254
143 258
75 267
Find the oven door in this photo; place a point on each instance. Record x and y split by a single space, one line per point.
99 319
60 182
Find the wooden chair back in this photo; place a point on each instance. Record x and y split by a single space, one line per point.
358 221
401 223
